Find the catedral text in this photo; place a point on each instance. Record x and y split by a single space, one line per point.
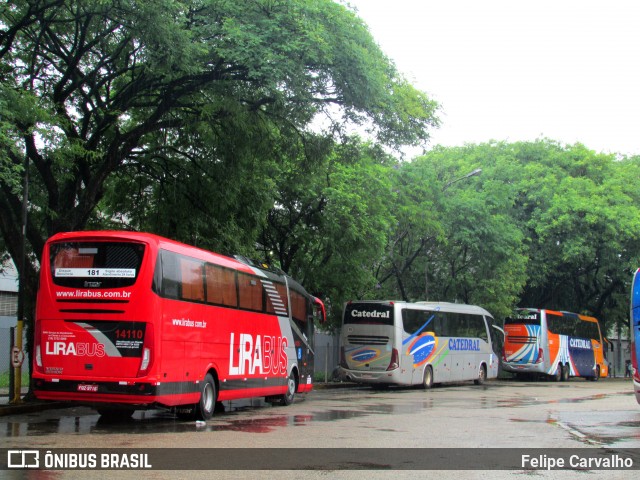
366 314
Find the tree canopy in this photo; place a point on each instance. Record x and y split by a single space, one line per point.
180 105
543 226
230 125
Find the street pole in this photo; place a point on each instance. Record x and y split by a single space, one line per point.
17 397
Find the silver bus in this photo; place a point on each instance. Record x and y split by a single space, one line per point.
422 343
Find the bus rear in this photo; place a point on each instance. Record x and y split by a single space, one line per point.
93 337
369 343
634 332
523 351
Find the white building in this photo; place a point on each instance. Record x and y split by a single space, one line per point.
8 309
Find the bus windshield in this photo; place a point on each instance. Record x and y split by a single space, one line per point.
95 264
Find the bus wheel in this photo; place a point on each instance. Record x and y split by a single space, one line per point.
566 372
427 380
557 376
482 375
287 398
597 376
207 403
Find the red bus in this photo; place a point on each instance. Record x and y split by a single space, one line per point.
128 321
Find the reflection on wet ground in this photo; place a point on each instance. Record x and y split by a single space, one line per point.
256 416
240 419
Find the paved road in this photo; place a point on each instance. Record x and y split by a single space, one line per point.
500 414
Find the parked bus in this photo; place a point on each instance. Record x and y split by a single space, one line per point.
558 345
401 343
634 332
128 321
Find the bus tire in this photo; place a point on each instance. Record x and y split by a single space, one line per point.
427 378
557 376
292 384
597 375
207 404
482 375
566 373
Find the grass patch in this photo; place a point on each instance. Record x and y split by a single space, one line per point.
4 379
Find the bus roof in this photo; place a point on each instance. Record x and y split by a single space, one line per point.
444 306
562 312
241 264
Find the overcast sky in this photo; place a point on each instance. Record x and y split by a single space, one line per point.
568 70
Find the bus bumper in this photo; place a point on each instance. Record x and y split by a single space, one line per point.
369 377
523 368
113 392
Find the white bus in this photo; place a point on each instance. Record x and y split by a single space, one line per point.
401 343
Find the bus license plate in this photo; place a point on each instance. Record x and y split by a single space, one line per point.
87 388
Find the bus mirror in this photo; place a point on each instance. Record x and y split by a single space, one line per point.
320 306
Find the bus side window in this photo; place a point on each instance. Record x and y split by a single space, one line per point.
221 286
170 287
302 313
440 324
476 327
410 321
455 325
298 307
250 290
414 320
191 273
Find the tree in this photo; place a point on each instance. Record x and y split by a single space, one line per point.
167 93
331 218
581 212
456 238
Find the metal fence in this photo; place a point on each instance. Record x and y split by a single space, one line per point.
7 326
327 356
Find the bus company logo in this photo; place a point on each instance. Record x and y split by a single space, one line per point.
365 355
580 343
266 355
370 314
423 348
464 344
78 349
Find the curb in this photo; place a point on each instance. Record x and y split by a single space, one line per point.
41 405
29 407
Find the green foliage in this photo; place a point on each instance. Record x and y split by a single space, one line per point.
198 120
136 113
456 239
331 218
543 226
